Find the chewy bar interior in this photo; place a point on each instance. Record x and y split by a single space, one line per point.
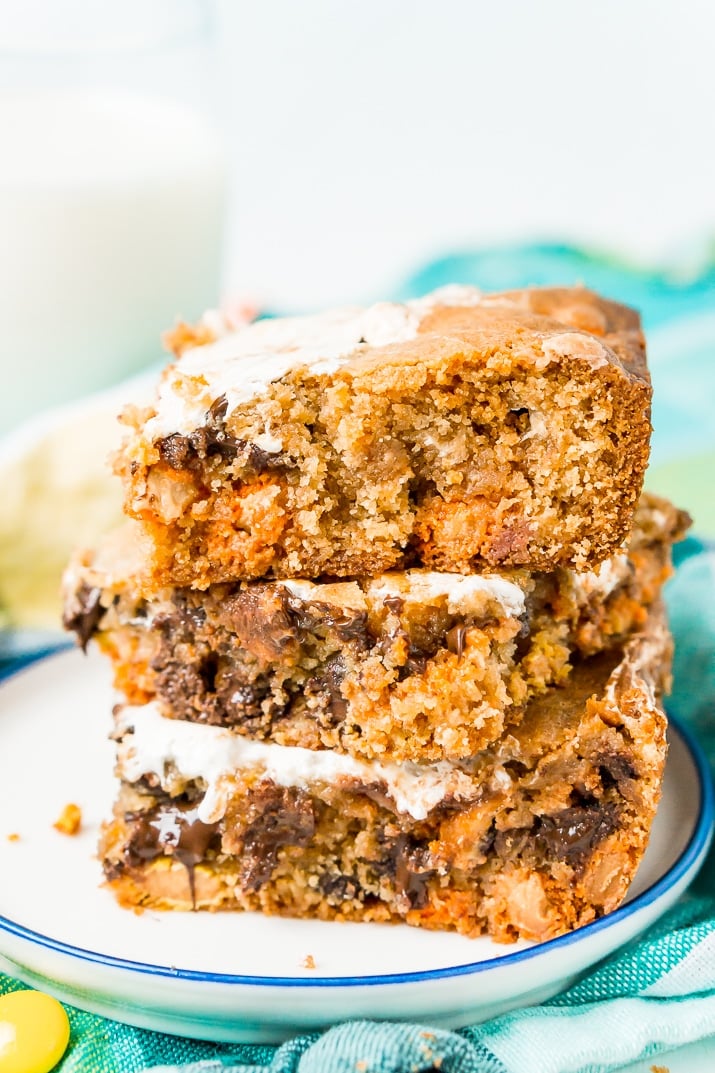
413 665
538 834
452 432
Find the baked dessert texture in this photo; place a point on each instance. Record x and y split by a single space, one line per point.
414 665
452 432
537 835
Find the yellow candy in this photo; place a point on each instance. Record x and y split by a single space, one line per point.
34 1032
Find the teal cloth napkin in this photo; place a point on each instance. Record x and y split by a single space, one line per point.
658 992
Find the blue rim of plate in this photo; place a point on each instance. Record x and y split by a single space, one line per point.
693 852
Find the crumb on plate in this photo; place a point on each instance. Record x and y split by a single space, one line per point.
70 820
308 962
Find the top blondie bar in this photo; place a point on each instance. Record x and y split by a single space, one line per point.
459 431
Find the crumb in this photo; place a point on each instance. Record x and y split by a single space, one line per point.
308 962
185 336
70 820
138 910
14 837
659 1069
361 1066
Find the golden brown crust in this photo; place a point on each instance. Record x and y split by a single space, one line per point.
619 326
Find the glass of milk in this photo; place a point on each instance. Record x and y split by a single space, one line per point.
112 191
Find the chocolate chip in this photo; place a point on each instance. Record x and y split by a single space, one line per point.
175 450
261 461
351 627
616 769
209 442
201 690
417 656
571 834
184 620
85 614
179 683
339 888
276 816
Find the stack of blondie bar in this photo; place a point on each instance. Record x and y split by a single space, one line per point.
386 621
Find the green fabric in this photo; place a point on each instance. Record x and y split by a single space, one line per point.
658 992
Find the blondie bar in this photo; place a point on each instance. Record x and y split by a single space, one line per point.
452 432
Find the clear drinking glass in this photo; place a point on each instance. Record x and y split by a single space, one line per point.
112 190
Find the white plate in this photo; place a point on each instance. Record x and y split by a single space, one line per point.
240 977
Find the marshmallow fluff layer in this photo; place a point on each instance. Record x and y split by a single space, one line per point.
172 751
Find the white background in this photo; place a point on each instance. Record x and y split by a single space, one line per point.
368 136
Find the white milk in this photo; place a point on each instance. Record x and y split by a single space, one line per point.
111 213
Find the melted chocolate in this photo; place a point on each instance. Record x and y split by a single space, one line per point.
308 615
170 830
406 861
327 686
182 623
208 684
412 873
456 639
206 692
212 440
